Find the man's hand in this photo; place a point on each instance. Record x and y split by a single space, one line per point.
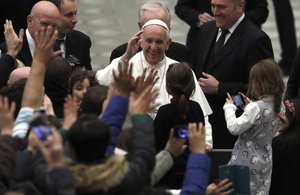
44 43
205 17
209 84
13 41
6 115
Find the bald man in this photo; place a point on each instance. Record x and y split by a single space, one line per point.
43 14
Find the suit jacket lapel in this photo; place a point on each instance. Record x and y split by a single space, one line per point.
25 54
230 45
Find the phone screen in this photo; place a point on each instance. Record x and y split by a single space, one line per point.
181 132
238 100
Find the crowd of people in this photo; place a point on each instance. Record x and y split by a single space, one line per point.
148 121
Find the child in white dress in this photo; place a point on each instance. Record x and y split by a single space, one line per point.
258 124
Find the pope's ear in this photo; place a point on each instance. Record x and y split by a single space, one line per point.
169 43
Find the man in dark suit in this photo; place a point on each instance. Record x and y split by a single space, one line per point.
197 12
293 84
43 14
157 10
75 44
225 68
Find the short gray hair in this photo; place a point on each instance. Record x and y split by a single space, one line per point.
151 6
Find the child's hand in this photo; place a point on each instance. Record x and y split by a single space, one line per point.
229 99
246 99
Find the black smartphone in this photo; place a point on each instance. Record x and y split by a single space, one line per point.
181 131
238 100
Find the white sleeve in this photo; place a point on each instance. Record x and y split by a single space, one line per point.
208 132
105 76
199 97
237 126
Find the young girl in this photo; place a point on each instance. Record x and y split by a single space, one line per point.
181 111
258 124
79 82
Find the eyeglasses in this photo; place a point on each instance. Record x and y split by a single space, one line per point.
43 23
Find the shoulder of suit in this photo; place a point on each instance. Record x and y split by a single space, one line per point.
77 33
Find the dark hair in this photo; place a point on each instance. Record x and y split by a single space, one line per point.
89 137
180 84
14 93
266 79
78 75
93 99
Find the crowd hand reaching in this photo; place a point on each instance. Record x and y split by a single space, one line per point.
222 187
142 82
205 17
209 84
132 47
110 93
197 138
13 41
124 81
70 112
47 106
6 115
175 146
141 104
44 43
54 151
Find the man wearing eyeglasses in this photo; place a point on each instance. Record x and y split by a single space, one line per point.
43 14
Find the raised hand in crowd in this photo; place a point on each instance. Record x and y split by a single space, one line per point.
142 81
123 80
6 116
70 112
222 187
141 104
132 47
47 106
13 41
44 43
197 138
43 54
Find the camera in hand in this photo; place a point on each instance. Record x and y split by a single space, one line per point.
40 126
238 100
181 131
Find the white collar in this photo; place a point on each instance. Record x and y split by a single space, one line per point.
231 29
31 42
146 64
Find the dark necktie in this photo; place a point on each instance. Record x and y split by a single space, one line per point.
219 44
57 44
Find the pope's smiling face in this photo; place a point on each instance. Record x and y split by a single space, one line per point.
155 41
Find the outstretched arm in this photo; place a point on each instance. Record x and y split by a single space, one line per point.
44 41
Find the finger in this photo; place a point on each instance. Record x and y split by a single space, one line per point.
12 107
205 74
